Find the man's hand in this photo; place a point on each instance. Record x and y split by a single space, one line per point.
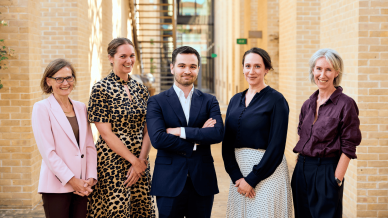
209 123
174 131
244 188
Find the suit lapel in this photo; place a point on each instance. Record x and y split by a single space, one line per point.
81 119
174 102
195 107
62 119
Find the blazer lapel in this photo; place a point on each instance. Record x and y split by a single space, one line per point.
81 120
174 102
196 104
61 118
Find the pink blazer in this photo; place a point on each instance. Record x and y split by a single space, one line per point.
62 158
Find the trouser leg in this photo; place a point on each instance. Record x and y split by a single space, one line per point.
57 205
199 206
78 206
324 196
173 207
299 192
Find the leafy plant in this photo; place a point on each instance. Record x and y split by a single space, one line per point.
5 52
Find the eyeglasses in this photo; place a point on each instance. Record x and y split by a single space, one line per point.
60 80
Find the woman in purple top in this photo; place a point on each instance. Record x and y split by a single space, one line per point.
329 131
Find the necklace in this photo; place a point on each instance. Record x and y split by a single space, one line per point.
66 112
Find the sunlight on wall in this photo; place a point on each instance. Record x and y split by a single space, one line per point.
95 48
116 18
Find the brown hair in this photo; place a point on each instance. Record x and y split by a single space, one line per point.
115 43
263 54
52 68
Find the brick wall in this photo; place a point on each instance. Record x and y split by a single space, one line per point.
39 32
339 30
273 42
245 15
19 156
372 167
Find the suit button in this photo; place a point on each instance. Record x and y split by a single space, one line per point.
82 156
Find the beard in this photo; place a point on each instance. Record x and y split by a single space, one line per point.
185 82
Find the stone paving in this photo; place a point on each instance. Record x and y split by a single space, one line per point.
220 200
219 207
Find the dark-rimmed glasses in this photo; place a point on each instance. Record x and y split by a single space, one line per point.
60 80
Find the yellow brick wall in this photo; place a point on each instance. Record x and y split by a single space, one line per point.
39 32
19 156
372 88
287 69
272 78
243 16
339 30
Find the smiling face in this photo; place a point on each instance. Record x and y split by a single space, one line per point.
254 69
324 74
123 60
185 69
61 89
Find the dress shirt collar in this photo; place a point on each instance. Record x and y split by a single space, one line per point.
180 93
333 97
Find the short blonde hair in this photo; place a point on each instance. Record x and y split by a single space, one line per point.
333 57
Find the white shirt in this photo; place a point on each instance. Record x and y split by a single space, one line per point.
186 104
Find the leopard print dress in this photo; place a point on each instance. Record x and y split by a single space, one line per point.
109 103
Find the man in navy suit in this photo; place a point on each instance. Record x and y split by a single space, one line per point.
182 123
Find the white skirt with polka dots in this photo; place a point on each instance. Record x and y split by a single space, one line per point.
273 194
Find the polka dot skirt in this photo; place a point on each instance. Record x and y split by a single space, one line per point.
273 194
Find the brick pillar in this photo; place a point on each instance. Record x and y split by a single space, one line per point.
298 40
372 88
19 158
273 41
339 31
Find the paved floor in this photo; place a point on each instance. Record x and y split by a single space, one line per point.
219 206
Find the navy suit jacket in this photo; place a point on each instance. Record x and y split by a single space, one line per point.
176 158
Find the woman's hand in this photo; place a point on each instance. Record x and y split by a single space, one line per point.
91 182
244 188
140 166
81 187
132 178
342 166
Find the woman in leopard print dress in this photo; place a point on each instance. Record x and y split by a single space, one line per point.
118 106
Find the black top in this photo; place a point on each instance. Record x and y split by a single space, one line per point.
261 125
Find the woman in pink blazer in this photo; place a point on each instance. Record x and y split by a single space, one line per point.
65 141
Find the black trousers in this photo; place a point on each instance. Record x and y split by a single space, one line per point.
315 192
64 205
187 204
